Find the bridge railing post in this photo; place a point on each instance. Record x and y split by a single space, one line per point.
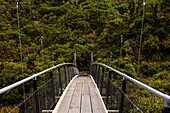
60 80
96 74
75 57
52 86
166 110
36 95
122 95
71 74
68 72
108 87
65 75
98 78
101 88
92 71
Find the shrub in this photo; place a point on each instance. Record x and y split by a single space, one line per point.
162 75
8 109
149 69
125 66
161 33
123 8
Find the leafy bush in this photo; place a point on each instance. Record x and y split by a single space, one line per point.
148 69
162 75
7 109
151 49
161 33
123 8
125 66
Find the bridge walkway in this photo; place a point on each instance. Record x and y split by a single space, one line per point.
81 96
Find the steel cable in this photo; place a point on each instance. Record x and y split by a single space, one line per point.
131 20
41 37
140 45
19 31
125 95
141 37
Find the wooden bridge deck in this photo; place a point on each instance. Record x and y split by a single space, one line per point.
81 96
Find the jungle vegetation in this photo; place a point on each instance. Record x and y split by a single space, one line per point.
86 26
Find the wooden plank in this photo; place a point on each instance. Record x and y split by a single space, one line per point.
67 99
81 97
86 102
75 105
96 104
85 89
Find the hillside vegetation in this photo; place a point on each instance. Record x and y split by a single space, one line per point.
83 27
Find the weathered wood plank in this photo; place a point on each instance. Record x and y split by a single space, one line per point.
86 102
85 88
67 99
96 104
75 104
81 97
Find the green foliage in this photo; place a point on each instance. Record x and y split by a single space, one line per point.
8 109
99 60
127 47
123 8
83 55
151 48
162 75
126 66
148 69
151 104
161 33
92 25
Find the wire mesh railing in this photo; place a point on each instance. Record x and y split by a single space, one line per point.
40 97
121 94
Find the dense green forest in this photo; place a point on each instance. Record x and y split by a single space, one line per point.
86 26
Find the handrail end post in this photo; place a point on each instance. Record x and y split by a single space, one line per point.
108 88
122 95
60 80
36 95
52 85
166 106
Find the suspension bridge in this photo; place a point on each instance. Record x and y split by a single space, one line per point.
67 91
102 90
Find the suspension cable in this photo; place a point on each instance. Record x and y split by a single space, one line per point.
41 37
140 47
17 1
29 18
141 38
131 20
45 91
126 30
120 50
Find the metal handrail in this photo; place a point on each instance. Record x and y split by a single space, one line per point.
31 77
165 97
